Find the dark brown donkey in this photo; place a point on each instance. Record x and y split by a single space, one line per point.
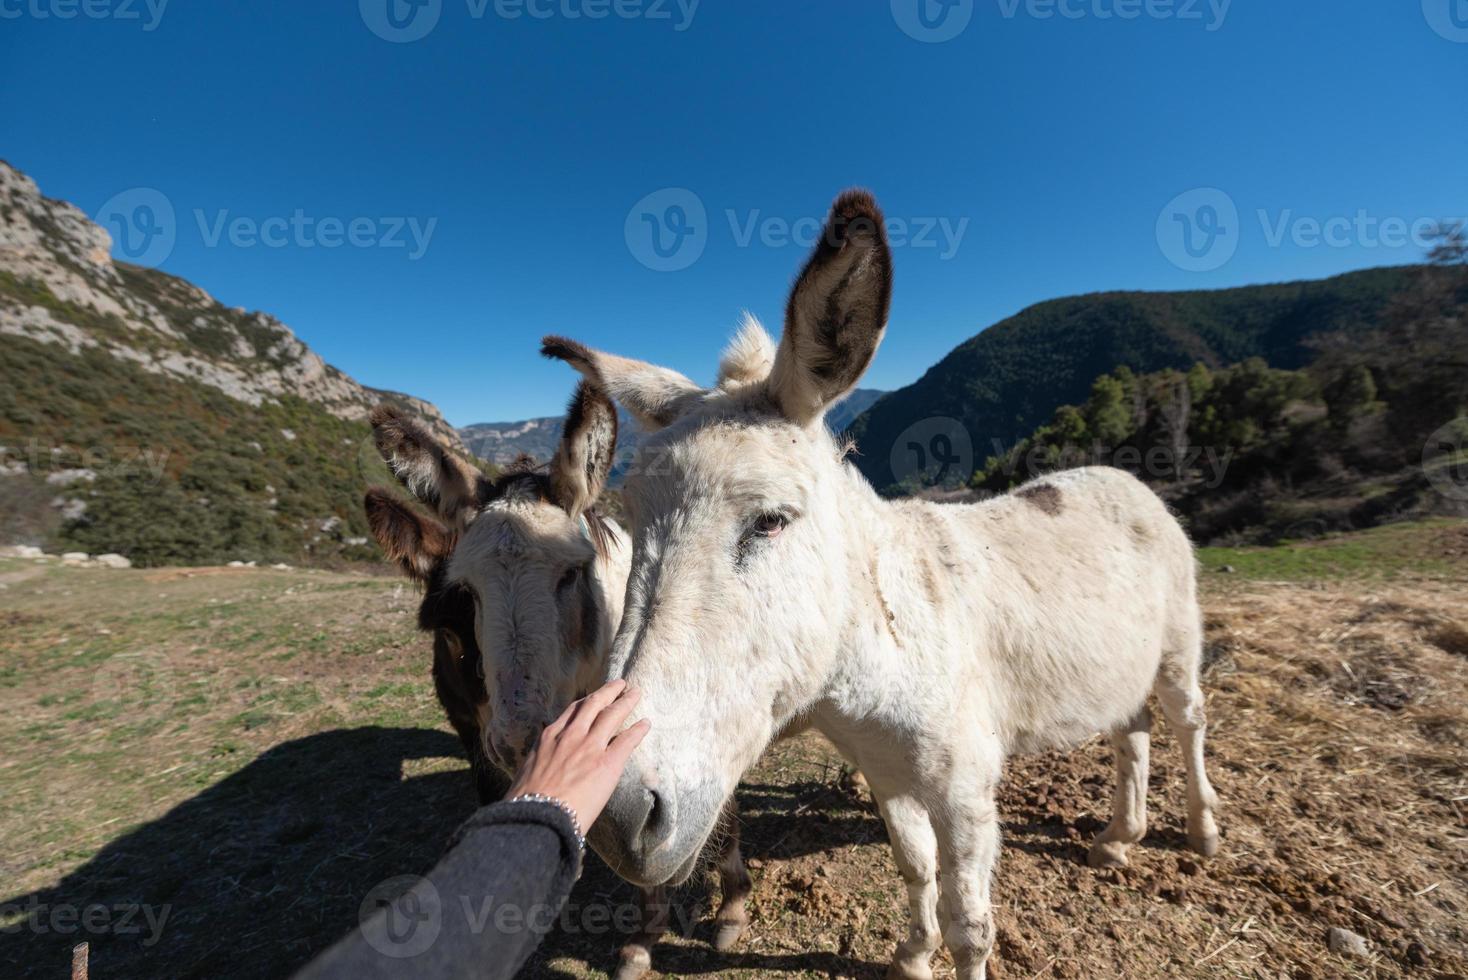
546 574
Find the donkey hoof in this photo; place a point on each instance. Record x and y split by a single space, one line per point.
726 934
1204 844
636 961
906 969
1107 854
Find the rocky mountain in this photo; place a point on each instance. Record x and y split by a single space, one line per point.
503 442
998 386
129 394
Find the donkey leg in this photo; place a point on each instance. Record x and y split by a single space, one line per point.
967 824
1129 802
732 919
636 957
1182 702
915 850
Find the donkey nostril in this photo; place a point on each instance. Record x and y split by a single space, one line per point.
657 815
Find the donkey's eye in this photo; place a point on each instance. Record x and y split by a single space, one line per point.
568 579
768 525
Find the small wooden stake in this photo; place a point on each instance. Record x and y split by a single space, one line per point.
79 962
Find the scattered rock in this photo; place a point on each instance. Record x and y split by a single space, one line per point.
1346 942
1226 569
22 551
111 560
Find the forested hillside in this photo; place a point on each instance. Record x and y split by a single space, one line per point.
1374 428
1012 377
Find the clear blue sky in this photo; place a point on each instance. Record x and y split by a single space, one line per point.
1060 141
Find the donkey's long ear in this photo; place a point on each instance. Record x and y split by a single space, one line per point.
837 310
588 445
655 396
415 541
431 473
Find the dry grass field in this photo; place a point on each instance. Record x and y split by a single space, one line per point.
205 771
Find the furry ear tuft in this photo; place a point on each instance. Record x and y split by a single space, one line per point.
749 357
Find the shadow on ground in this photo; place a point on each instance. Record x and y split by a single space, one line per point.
262 871
255 874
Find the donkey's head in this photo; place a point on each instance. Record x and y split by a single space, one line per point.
737 605
538 566
422 545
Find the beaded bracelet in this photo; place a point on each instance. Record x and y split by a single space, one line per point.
564 808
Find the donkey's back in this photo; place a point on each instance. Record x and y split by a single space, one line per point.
1086 593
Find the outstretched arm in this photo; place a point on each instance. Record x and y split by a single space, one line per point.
498 890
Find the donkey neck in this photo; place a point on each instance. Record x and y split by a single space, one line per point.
900 556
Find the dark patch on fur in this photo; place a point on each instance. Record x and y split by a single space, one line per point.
856 309
1045 496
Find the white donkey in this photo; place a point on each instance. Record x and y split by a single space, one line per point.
771 587
523 592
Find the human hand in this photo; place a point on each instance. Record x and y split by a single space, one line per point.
581 755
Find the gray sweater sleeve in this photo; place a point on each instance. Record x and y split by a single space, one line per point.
479 913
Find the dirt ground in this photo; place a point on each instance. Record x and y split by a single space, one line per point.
255 750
